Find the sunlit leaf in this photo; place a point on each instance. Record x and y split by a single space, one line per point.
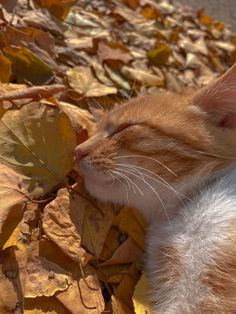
82 80
140 297
31 138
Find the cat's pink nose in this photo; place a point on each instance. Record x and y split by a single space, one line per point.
80 153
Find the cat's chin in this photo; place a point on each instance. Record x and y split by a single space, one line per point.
104 191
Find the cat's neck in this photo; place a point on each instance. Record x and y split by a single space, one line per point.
168 199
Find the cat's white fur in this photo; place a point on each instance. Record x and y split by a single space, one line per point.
198 232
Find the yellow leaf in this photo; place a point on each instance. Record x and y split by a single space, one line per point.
82 80
160 54
128 223
5 69
140 298
38 142
142 76
27 67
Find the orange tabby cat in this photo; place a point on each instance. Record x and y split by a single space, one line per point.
157 152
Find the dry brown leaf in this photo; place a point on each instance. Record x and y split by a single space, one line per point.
5 69
60 229
125 290
43 305
116 53
44 278
112 274
111 244
119 307
13 195
80 119
27 67
82 80
84 296
129 222
127 252
93 223
12 280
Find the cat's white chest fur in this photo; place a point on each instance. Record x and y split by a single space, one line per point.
186 254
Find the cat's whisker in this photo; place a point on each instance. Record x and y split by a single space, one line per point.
114 177
162 182
152 188
215 155
110 156
131 181
147 157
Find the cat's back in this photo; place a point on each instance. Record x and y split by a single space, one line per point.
193 256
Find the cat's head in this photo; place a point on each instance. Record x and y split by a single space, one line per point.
153 146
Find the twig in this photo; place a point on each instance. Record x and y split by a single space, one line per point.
36 92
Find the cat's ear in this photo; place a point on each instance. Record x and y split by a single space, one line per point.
219 99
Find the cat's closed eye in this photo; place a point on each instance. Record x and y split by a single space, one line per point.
120 128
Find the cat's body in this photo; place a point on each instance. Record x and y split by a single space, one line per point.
192 258
154 153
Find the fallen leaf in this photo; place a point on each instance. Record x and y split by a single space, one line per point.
80 119
119 307
149 12
203 18
160 54
94 223
82 80
129 223
144 77
133 4
60 229
31 138
84 296
13 195
5 69
42 305
42 20
126 287
140 297
117 78
127 252
56 7
12 280
105 52
44 278
27 67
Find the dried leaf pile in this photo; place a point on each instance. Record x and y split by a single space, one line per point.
60 251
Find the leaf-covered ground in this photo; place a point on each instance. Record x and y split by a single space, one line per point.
61 251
